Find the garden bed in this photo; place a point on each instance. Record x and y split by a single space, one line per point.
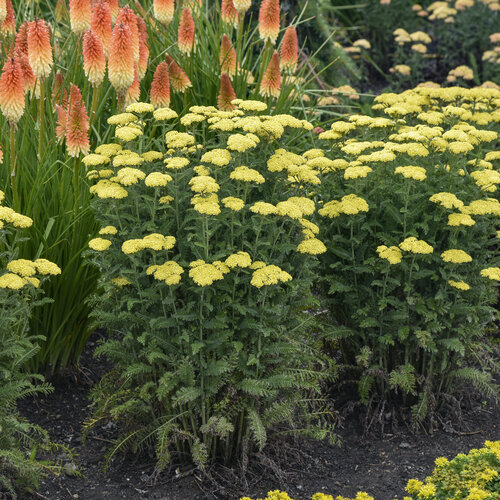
380 464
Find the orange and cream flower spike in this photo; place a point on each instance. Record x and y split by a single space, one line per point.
226 94
242 5
9 23
121 59
271 81
3 10
127 16
160 86
39 48
229 14
100 24
289 51
227 56
269 20
12 91
185 34
114 8
164 10
80 13
77 125
94 61
179 81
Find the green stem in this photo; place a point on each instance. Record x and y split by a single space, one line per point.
95 102
76 186
13 176
41 120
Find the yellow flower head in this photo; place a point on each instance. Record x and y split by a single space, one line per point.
392 254
411 244
493 273
218 157
239 259
311 246
233 203
246 174
263 208
205 274
456 256
269 275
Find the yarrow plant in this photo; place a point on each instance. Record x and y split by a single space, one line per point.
20 280
410 274
206 257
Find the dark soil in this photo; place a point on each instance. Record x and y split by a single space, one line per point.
379 464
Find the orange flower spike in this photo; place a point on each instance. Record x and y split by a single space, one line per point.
134 91
9 23
242 5
271 81
178 78
62 122
185 34
226 94
121 58
80 12
100 24
289 51
12 91
94 61
142 64
39 48
21 43
227 56
77 136
160 87
28 75
127 16
269 20
164 10
114 8
3 10
229 13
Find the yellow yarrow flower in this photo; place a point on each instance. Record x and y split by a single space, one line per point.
140 107
93 160
240 143
460 285
121 119
392 254
107 189
456 256
269 275
218 157
493 273
12 281
120 281
99 244
263 208
151 156
157 179
239 259
233 203
204 184
169 272
176 163
108 230
246 174
447 200
412 172
162 114
45 266
460 220
23 267
250 105
205 274
357 172
305 205
411 244
311 246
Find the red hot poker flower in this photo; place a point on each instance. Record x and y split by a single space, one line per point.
242 5
9 23
226 94
62 122
114 8
164 10
227 56
178 78
121 58
142 64
185 34
12 91
100 24
289 51
269 20
127 16
160 87
80 12
94 61
229 13
39 48
3 10
271 81
77 137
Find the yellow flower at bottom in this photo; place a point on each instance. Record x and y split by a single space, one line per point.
392 254
413 245
311 246
493 273
269 275
99 244
456 256
205 274
12 281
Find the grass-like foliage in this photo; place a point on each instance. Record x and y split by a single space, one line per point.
409 220
205 273
20 441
